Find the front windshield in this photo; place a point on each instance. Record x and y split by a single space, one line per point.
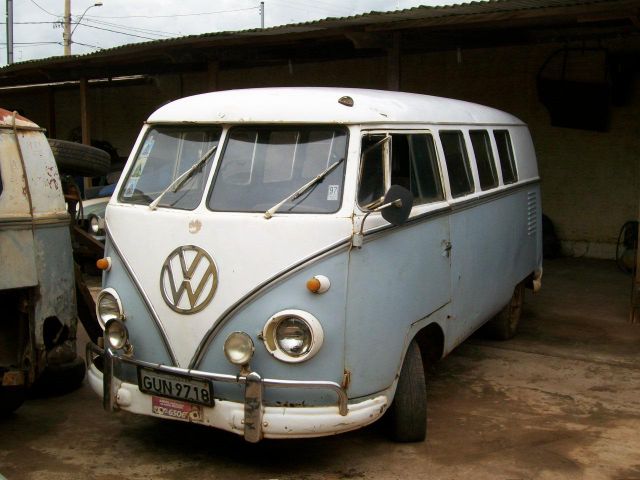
166 153
262 165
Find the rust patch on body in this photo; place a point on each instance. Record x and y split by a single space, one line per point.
52 178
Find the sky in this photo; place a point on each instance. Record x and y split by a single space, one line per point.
37 31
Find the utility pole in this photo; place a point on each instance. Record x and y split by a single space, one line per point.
9 32
66 34
262 15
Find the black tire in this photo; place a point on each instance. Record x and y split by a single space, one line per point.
407 415
505 324
11 398
78 159
61 378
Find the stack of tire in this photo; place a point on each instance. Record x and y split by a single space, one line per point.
79 160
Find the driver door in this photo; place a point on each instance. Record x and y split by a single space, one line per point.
400 275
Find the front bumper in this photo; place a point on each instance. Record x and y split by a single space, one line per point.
252 419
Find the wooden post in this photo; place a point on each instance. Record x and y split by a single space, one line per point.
51 102
85 121
393 63
212 76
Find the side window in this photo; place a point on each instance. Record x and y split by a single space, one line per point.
505 153
414 165
455 154
372 170
484 159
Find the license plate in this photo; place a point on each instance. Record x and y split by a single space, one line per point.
179 387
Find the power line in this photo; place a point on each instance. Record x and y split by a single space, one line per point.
133 29
33 44
29 23
178 14
45 11
87 45
300 7
115 31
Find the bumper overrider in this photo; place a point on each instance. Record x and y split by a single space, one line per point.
252 418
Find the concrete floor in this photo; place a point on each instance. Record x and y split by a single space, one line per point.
561 400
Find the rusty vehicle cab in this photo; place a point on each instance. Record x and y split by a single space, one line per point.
37 289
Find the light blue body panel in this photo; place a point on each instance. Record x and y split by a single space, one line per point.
401 275
145 331
495 245
291 293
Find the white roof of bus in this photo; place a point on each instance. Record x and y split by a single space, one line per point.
320 105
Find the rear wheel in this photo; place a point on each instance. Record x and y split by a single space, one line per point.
505 324
407 416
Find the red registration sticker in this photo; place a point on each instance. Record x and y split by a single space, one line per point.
176 409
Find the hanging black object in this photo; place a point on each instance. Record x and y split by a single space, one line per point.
574 86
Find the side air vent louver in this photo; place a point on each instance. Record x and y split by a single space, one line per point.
532 213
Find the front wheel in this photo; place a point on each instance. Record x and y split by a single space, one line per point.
407 416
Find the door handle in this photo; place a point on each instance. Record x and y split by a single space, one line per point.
446 248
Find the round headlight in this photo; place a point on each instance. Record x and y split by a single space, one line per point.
108 306
116 334
94 225
238 348
293 336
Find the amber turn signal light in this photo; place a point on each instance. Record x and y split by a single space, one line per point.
313 284
318 284
104 263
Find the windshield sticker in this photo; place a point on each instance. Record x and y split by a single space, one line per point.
131 187
139 167
332 193
148 145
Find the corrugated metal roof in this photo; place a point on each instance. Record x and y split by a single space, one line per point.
422 16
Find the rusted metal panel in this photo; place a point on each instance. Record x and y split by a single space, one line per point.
35 245
44 182
14 203
16 256
16 240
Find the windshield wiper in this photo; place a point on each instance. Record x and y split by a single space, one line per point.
177 183
269 213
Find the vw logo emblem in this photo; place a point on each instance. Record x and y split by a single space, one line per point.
188 279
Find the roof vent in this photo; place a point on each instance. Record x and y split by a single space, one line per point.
346 101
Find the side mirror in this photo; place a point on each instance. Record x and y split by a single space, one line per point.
395 208
397 205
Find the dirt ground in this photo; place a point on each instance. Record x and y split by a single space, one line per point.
560 401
